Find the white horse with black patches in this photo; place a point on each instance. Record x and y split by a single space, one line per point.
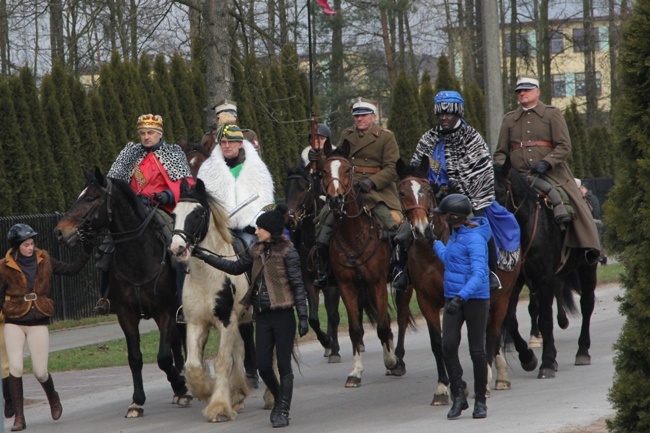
211 298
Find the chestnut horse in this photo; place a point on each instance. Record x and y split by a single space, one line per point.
426 274
141 276
301 192
359 258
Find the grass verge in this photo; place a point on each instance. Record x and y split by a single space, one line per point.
114 353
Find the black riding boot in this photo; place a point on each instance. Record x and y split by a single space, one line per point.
403 239
273 386
6 393
322 265
460 404
103 306
286 392
495 283
16 388
53 397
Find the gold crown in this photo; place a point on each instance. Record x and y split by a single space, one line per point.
150 121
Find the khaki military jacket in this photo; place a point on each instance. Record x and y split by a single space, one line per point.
376 148
546 123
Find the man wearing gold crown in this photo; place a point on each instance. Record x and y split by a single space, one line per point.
154 169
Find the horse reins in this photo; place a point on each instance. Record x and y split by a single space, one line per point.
516 207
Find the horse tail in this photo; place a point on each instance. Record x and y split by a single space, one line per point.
565 296
366 302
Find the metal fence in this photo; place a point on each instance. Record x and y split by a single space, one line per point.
74 297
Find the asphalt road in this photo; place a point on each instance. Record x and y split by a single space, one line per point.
96 400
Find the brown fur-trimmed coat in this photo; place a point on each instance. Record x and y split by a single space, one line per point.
13 284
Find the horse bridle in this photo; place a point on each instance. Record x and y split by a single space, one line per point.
193 239
303 206
432 199
346 192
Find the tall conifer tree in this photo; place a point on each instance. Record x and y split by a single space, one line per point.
113 109
174 125
445 80
426 100
578 160
475 108
260 106
107 149
189 108
404 119
628 233
51 197
17 163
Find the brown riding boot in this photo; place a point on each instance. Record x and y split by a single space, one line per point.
16 389
53 398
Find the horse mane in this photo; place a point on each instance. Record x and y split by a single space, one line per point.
219 214
130 196
298 170
195 147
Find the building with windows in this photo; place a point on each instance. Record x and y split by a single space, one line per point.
567 46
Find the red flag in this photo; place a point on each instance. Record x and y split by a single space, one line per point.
326 7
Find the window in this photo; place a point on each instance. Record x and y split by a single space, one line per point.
579 43
557 42
524 48
558 85
581 84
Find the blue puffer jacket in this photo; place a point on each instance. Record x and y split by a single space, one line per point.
466 261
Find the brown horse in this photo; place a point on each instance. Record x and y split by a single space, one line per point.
359 258
195 153
426 274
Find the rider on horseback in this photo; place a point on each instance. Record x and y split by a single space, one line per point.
154 169
459 163
373 154
536 139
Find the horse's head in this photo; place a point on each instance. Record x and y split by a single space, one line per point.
192 220
196 155
300 196
89 213
417 199
338 178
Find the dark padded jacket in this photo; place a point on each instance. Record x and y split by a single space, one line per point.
276 278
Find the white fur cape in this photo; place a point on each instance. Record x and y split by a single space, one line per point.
254 178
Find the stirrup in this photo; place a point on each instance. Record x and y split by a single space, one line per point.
401 281
180 317
495 282
103 307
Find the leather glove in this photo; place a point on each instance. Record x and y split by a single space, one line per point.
366 185
199 254
312 156
146 201
303 327
454 305
540 167
164 197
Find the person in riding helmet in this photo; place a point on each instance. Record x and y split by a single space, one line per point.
310 153
467 298
460 162
25 277
276 289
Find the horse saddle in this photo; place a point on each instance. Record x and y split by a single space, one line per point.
555 198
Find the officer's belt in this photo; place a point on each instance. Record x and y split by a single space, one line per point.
531 144
366 170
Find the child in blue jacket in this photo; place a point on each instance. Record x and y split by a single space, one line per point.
467 298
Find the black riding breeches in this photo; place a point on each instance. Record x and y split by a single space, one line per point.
474 312
275 329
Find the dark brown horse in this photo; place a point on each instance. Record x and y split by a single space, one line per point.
301 192
141 276
542 252
426 274
196 154
359 258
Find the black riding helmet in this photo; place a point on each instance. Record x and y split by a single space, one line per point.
322 130
455 204
19 233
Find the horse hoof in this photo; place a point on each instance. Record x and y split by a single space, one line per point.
440 400
184 400
220 418
583 357
556 367
529 364
563 322
546 373
398 370
353 382
327 353
134 411
268 406
238 407
334 359
252 381
535 342
362 348
502 385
